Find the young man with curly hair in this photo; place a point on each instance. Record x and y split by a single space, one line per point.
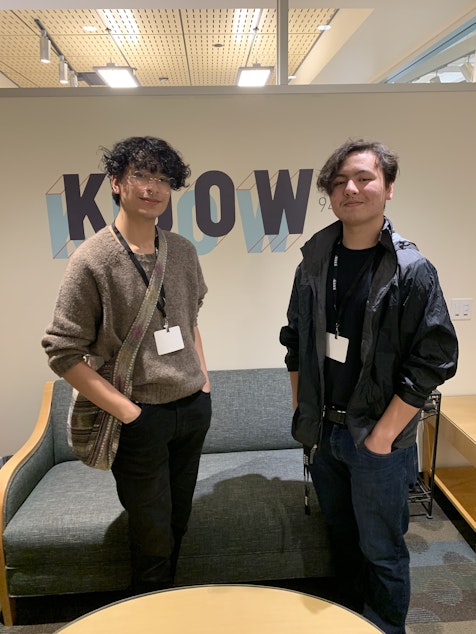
165 421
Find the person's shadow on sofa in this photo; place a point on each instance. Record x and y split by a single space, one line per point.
252 528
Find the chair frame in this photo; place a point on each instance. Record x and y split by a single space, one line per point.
7 473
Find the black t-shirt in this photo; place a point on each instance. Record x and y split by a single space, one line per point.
354 271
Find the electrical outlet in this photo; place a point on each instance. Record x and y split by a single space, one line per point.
461 308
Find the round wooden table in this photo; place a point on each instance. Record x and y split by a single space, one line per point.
222 609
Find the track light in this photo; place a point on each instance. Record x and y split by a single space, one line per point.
45 48
73 79
63 70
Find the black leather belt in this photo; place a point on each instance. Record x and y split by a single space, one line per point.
336 416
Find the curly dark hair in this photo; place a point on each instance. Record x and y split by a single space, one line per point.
148 153
386 159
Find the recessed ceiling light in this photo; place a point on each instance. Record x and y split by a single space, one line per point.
324 27
89 28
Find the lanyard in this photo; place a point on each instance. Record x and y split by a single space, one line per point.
350 291
139 267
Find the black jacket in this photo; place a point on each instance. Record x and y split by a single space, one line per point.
408 348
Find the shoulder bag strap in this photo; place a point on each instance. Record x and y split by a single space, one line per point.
124 365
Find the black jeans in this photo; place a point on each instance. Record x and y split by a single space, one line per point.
156 470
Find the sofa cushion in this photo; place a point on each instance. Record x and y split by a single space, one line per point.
247 524
248 521
71 522
252 410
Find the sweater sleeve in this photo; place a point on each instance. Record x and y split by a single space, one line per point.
76 316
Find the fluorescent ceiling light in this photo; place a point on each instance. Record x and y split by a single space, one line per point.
117 76
255 75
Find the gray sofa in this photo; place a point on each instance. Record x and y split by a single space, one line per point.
64 530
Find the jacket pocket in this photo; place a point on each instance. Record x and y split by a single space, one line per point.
305 429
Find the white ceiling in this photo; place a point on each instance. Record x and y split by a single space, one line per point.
205 45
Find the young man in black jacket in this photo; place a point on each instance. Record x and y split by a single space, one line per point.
368 337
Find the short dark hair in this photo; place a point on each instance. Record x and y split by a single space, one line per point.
386 159
148 153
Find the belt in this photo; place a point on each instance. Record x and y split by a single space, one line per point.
336 416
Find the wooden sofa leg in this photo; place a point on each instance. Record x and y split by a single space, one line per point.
8 611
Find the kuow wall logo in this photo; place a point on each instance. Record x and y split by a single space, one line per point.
272 210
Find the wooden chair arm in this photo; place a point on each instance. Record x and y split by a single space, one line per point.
7 472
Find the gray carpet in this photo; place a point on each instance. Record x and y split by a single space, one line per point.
443 571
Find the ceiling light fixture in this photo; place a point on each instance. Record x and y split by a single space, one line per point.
63 70
254 76
45 48
468 71
117 76
46 44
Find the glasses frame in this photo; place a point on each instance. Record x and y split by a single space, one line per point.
146 179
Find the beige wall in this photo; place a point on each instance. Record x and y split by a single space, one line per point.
43 137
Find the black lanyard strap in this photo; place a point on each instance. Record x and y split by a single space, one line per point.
140 268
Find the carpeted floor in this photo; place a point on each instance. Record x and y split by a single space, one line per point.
443 571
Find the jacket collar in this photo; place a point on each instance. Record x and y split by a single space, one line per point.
318 247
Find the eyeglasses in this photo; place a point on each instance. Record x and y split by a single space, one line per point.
144 179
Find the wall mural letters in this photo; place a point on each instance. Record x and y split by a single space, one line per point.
272 210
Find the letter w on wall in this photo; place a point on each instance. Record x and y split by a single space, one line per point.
281 214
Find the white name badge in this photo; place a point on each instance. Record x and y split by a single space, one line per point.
336 348
168 340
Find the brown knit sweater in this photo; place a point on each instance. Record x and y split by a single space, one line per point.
98 300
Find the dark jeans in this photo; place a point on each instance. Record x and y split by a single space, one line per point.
156 471
364 498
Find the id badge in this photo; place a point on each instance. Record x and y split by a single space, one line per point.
336 348
168 340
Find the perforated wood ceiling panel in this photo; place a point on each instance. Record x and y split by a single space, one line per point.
172 47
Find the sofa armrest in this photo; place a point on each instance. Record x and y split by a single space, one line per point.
22 472
18 477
